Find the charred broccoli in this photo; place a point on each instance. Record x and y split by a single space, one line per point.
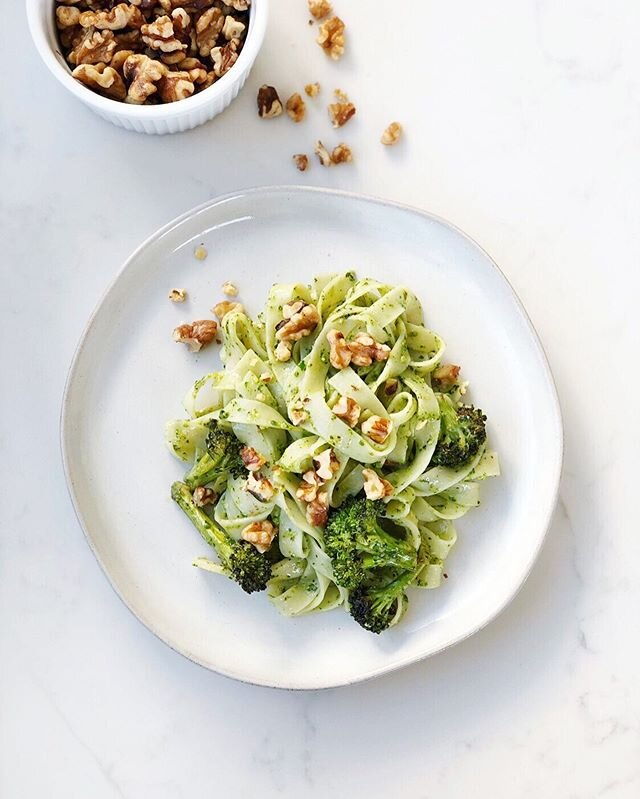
375 606
239 559
222 456
462 433
356 543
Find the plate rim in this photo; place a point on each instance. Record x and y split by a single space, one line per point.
555 409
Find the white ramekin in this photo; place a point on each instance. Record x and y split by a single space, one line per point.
159 119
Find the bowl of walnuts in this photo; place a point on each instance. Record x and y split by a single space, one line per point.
153 66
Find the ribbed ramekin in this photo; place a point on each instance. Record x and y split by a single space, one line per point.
158 119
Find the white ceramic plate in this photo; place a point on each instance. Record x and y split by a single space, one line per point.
128 378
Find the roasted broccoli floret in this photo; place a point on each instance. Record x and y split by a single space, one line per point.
356 543
462 433
239 559
222 457
375 606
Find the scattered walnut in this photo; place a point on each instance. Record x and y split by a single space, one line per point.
208 28
376 487
260 534
178 295
319 8
204 496
341 154
143 73
259 487
221 309
95 47
348 410
197 335
392 134
283 352
175 86
341 113
341 97
232 28
229 289
300 320
326 464
365 349
269 104
331 37
307 491
318 510
445 376
377 429
266 377
323 154
67 17
160 35
121 16
102 79
301 161
312 89
224 58
200 253
339 354
297 414
296 107
390 387
252 459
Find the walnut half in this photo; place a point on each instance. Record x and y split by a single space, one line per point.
102 79
197 335
260 534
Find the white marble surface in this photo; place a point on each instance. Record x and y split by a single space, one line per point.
523 128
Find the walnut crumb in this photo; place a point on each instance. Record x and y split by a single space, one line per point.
312 89
197 335
331 37
259 487
296 107
266 377
178 295
318 510
200 253
307 491
229 289
392 134
204 496
341 113
377 429
348 410
376 487
221 309
283 352
341 97
300 320
339 353
326 464
269 104
252 460
323 154
319 8
445 377
341 154
301 160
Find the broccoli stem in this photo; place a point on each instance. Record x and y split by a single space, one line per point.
214 535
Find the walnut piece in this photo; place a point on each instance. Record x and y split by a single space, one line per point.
144 74
160 35
376 487
392 134
283 353
295 107
341 113
326 464
377 429
301 160
119 57
175 86
208 28
232 28
319 8
224 58
318 510
259 487
121 16
307 491
365 349
297 414
339 353
331 37
95 47
198 334
269 104
390 387
348 410
341 154
230 289
221 309
252 460
102 79
323 154
67 17
239 5
445 377
312 89
204 496
260 534
300 320
178 295
200 253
